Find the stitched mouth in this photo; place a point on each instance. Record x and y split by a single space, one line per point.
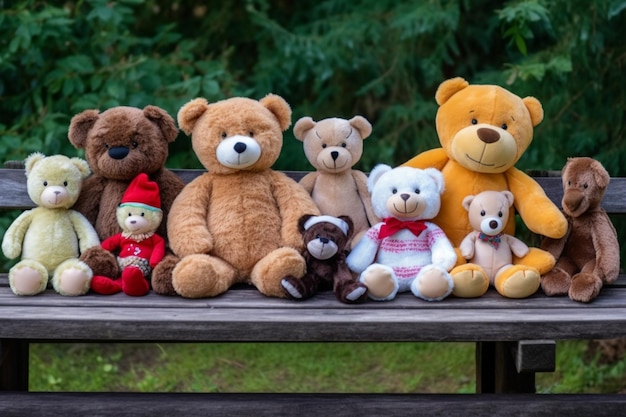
482 163
405 209
334 165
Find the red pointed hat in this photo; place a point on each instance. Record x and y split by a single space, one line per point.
142 192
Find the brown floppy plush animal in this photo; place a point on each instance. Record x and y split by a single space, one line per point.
588 255
333 146
326 239
237 223
120 143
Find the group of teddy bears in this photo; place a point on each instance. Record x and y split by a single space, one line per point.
441 224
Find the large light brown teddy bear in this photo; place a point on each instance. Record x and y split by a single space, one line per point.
239 221
120 143
484 130
588 256
333 146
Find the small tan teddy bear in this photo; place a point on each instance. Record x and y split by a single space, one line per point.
489 250
333 146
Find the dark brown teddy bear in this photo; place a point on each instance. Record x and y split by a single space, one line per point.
588 256
119 144
326 239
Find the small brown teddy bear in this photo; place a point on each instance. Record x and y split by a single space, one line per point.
333 146
326 239
238 222
120 143
588 256
490 250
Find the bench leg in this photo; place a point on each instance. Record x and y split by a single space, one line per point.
13 365
496 371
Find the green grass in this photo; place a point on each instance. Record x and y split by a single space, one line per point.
296 367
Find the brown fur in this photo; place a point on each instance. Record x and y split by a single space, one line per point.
327 274
234 225
588 256
145 134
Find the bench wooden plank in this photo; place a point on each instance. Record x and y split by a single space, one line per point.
303 405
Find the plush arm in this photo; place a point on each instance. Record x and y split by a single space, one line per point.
605 242
364 252
308 181
187 227
112 243
14 236
293 202
87 235
467 245
443 254
158 251
433 158
360 179
537 211
519 248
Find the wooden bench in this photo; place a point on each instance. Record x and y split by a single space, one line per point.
514 340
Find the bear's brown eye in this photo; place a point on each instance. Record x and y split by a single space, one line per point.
224 135
482 213
343 145
417 191
474 121
65 183
45 183
585 186
569 183
135 144
251 134
504 126
394 191
499 214
324 146
106 146
143 214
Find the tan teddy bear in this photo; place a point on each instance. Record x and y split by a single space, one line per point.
333 146
484 130
239 221
588 256
489 248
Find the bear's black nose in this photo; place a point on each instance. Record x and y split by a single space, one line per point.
493 224
118 152
240 147
334 155
324 239
405 196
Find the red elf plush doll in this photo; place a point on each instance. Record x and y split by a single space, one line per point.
139 249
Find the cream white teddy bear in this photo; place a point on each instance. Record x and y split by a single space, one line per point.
51 236
405 251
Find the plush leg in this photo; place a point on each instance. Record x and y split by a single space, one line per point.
269 272
559 279
586 285
101 261
72 278
28 278
105 285
470 281
134 282
199 276
518 281
300 289
381 282
433 283
161 278
347 288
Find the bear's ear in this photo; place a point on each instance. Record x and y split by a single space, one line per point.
32 160
279 107
467 202
534 108
449 88
302 221
350 224
361 124
80 125
83 167
375 175
437 176
508 196
163 120
189 114
600 175
302 127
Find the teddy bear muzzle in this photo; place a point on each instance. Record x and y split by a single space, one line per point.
491 226
238 152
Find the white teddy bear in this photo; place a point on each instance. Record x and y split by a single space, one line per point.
405 252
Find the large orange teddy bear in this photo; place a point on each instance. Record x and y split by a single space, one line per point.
483 131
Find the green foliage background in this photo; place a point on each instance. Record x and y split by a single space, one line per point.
382 59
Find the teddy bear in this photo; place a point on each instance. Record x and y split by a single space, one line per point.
139 249
488 247
333 146
119 143
238 222
326 239
483 131
51 236
405 251
588 256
